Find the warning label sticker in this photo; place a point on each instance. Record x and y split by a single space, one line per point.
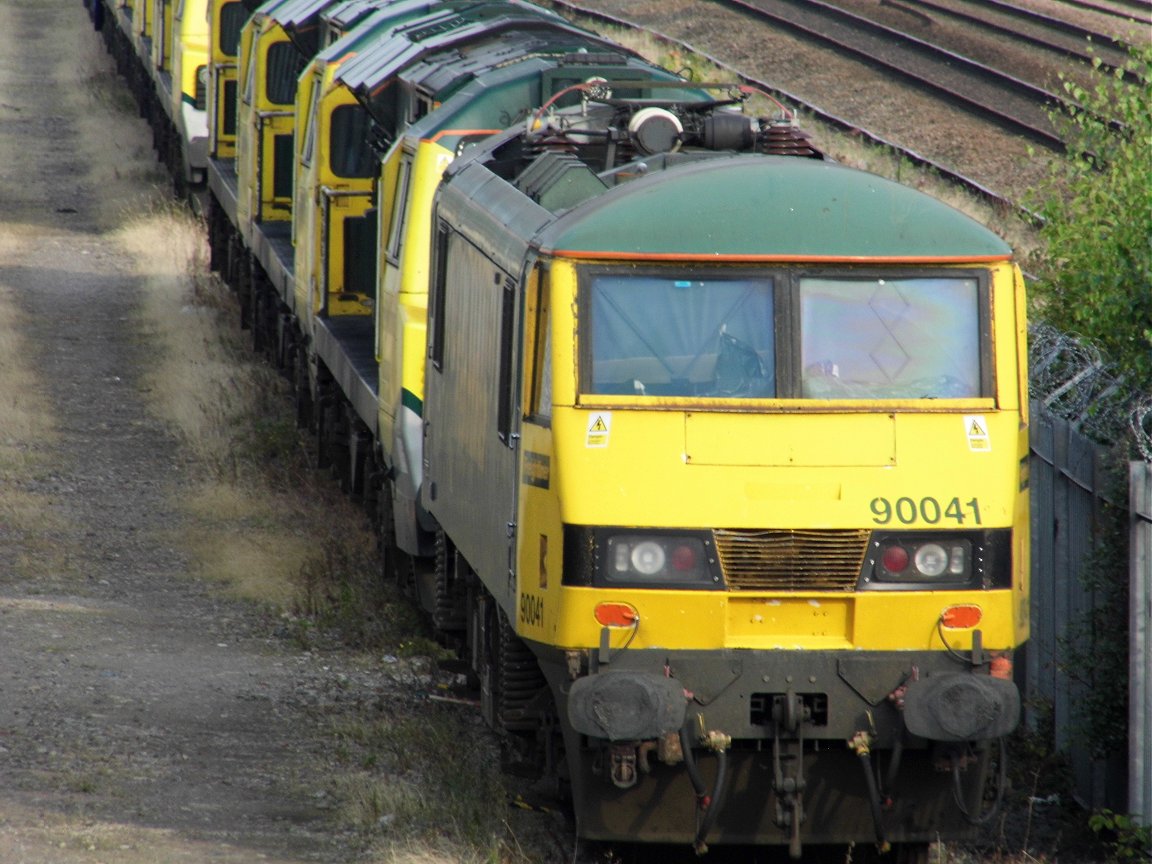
976 428
599 429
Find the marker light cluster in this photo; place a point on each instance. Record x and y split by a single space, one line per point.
922 560
657 559
200 99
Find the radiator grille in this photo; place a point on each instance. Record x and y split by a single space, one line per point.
791 560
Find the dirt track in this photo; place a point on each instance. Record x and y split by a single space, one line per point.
143 718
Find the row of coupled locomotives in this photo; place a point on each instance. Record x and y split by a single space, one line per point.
708 452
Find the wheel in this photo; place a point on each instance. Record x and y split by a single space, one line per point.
450 613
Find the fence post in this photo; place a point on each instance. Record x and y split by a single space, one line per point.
1140 642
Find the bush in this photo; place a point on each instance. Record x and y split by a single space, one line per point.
1097 277
1127 838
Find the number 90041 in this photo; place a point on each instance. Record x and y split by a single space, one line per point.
926 511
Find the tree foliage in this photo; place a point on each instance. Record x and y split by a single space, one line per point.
1097 277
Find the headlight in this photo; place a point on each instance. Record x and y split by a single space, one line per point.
647 558
656 560
931 560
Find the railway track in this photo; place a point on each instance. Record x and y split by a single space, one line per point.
1127 8
1026 15
1067 41
1019 106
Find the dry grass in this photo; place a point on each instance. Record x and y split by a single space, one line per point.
409 780
266 527
241 531
123 169
196 381
262 524
247 524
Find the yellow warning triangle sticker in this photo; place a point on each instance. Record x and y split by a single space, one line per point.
598 425
976 430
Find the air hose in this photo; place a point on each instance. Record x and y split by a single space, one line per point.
1001 783
861 744
690 764
708 803
700 844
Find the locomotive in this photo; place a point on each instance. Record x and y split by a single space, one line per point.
708 452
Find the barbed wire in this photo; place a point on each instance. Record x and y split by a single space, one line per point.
1072 380
1141 423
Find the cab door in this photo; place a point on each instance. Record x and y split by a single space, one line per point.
162 35
275 120
539 540
226 23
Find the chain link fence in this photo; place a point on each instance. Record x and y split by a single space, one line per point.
1073 381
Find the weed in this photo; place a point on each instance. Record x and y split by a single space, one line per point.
411 778
1127 839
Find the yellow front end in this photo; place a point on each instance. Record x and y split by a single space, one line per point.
801 585
805 490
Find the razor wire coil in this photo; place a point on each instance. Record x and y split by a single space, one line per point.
1070 377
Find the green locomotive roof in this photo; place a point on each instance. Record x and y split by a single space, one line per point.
768 207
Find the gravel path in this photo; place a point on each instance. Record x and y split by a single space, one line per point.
143 718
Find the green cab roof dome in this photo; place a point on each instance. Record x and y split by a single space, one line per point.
769 208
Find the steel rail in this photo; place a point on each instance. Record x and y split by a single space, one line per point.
1075 35
1031 15
817 21
1140 5
972 186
